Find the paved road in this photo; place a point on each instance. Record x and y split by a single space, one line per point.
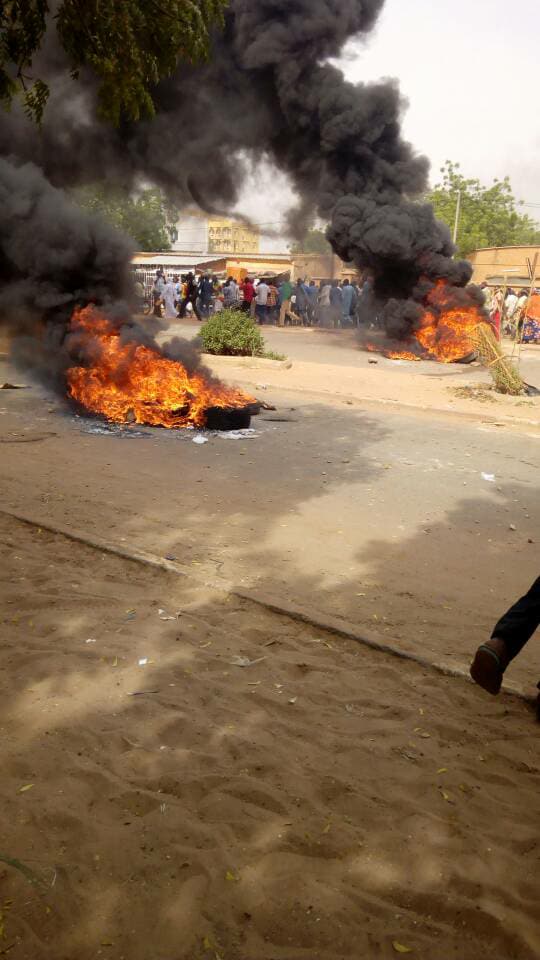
386 520
341 348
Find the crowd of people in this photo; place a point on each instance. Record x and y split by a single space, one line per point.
269 300
514 314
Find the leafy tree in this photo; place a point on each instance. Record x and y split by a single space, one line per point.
143 217
128 44
488 216
314 242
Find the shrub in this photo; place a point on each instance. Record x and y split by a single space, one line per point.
232 333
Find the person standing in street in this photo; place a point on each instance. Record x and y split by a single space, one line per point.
272 302
261 301
248 294
169 298
336 303
231 294
190 296
348 302
313 298
206 290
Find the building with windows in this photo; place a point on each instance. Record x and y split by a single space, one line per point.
196 232
232 236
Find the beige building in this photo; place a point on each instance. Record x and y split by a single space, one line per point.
247 265
321 266
499 265
232 236
199 232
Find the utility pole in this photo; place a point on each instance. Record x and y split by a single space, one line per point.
458 211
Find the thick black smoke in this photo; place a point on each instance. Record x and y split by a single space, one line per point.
267 91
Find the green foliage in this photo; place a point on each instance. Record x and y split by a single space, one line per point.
314 242
488 217
232 333
143 217
22 28
129 45
272 355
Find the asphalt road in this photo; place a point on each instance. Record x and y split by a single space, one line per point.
386 520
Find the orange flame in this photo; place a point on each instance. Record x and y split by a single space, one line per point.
446 332
129 381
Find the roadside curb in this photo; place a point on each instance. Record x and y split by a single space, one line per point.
254 363
333 625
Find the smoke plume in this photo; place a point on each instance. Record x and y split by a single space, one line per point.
268 92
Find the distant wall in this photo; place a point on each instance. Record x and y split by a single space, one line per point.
321 266
495 265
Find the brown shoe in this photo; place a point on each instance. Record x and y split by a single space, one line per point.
489 664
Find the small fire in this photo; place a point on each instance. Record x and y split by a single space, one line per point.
130 382
446 332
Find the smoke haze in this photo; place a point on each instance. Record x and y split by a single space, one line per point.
267 92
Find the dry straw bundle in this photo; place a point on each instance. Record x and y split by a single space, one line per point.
506 376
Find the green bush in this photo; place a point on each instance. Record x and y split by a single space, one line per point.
232 333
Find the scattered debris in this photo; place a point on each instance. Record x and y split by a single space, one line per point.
372 361
90 640
245 661
142 693
199 439
27 786
170 556
247 434
13 386
400 947
130 615
512 526
163 615
490 477
143 661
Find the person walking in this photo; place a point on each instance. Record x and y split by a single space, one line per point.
272 302
190 296
285 292
510 634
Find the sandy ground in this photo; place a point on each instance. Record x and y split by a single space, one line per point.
326 802
401 524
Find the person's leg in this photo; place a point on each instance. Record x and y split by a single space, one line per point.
183 305
509 636
196 309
